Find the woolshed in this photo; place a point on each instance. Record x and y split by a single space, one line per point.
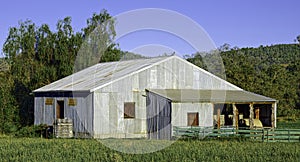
146 98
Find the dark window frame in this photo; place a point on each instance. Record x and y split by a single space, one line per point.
72 101
129 110
49 101
195 120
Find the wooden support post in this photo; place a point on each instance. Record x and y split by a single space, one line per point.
273 114
257 113
219 120
251 116
235 119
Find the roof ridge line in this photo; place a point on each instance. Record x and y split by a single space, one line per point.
135 72
95 66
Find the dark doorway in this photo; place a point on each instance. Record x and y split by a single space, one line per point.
244 111
265 113
226 114
60 110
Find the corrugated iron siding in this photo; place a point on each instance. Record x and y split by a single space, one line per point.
81 113
43 114
158 117
170 74
180 111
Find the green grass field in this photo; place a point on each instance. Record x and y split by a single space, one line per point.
288 124
36 149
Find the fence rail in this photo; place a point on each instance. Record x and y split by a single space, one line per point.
261 134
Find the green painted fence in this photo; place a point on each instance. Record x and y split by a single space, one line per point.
282 135
259 134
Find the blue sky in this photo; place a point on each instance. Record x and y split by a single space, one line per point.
239 23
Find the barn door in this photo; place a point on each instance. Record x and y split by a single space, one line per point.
158 117
60 109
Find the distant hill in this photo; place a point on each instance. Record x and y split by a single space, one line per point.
268 70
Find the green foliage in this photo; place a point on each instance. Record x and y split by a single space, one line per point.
32 131
298 38
37 56
8 107
98 43
288 123
196 59
34 149
272 71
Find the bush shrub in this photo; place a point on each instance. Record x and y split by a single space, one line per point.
33 131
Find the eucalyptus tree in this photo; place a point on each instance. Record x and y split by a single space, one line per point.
98 44
38 56
8 107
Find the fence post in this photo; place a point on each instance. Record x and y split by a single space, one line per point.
289 135
263 136
267 135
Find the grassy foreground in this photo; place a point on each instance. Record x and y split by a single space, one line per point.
36 149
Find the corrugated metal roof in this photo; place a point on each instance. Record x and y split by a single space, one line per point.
100 74
192 95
